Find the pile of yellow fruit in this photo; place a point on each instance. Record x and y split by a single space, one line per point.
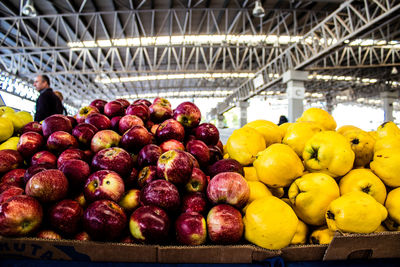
308 180
11 123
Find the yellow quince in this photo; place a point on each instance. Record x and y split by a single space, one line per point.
355 212
269 223
320 116
328 152
271 132
363 180
300 237
278 165
6 129
386 165
392 205
298 134
388 128
362 144
322 235
244 144
311 195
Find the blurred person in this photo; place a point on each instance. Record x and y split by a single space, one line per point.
61 97
282 119
47 103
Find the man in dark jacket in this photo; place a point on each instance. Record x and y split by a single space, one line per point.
47 103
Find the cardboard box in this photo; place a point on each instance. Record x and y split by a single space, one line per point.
343 246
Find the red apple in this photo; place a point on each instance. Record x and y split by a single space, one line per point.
149 155
47 186
147 175
72 120
104 220
60 141
82 236
44 157
153 128
188 114
130 201
160 112
84 112
20 215
191 229
84 133
140 110
32 170
161 100
113 159
29 143
10 192
194 202
32 126
56 123
99 104
149 224
208 133
9 160
77 171
88 155
14 177
161 193
131 181
104 139
149 124
136 138
115 123
171 144
197 182
200 151
66 217
48 234
142 101
125 103
175 166
127 122
104 184
224 224
170 129
194 160
225 165
220 146
230 188
71 153
100 121
114 108
215 154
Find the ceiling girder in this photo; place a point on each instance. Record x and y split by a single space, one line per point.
348 21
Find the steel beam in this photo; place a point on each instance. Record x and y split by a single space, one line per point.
348 21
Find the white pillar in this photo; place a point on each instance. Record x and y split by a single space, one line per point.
220 121
388 98
295 92
243 105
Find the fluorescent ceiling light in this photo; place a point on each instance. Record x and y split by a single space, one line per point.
176 77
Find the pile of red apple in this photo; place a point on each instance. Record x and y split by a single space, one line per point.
123 172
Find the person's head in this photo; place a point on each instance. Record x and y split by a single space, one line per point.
41 82
59 95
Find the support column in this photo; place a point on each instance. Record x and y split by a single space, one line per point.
243 105
220 121
388 98
295 92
